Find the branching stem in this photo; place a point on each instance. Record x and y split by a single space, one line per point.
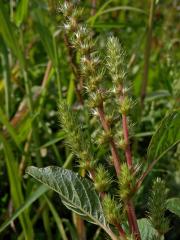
132 219
141 179
115 157
121 231
106 127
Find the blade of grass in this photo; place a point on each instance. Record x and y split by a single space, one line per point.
34 124
10 129
6 76
147 52
45 218
49 42
7 29
92 19
21 12
59 137
45 34
32 198
15 188
124 8
57 219
72 230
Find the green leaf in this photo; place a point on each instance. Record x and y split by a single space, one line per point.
166 136
146 229
57 219
173 205
7 29
60 136
46 35
125 8
21 12
33 197
10 129
101 10
5 63
16 188
77 193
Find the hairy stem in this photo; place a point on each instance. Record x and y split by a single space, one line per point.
114 152
115 157
132 219
141 179
121 231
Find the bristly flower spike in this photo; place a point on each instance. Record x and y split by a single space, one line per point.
116 61
75 137
157 207
102 179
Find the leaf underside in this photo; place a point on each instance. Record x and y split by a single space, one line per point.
146 229
173 205
77 193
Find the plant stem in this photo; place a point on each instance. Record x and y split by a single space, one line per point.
132 219
147 52
115 157
30 103
149 168
121 231
114 152
80 227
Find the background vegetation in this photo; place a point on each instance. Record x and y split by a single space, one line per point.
36 72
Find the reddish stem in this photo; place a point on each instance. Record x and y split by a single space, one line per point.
121 231
114 152
133 220
130 207
141 179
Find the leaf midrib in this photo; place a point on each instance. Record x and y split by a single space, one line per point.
87 214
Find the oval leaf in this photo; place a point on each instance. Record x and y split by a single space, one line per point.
77 193
173 205
146 229
166 136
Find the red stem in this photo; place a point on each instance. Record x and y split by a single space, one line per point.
141 179
115 157
133 220
130 207
114 152
121 231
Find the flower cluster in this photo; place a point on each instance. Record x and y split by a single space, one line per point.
157 207
109 102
